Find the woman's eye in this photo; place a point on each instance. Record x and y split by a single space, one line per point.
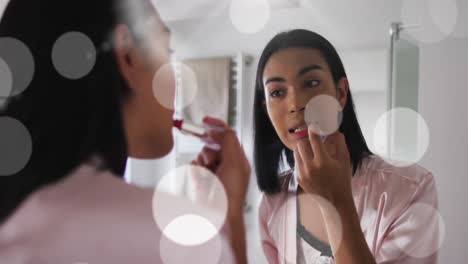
312 83
276 93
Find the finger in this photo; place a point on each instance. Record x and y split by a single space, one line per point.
213 136
342 152
227 141
298 165
214 123
330 146
194 174
215 126
200 160
209 156
305 150
317 146
214 129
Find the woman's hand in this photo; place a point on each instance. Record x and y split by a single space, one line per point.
324 168
232 168
229 163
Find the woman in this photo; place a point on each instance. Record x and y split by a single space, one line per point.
340 203
69 203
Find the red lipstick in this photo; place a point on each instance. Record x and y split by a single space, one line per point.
189 128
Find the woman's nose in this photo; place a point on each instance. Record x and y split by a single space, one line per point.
297 109
297 103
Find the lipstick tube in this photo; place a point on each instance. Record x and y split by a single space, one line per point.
192 129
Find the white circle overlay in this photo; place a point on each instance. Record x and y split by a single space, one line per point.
174 253
323 114
401 137
428 231
175 85
430 21
190 194
249 16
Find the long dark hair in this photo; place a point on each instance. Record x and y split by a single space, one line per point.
268 148
70 121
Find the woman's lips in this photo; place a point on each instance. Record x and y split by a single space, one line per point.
300 133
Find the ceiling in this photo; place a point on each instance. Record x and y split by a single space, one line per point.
349 24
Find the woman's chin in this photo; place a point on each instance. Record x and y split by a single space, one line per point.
153 151
164 148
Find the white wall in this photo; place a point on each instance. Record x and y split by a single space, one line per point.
147 173
370 105
367 72
367 69
443 103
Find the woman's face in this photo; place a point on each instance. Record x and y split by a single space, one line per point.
291 78
148 111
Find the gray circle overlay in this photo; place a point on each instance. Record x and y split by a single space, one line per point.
74 55
15 146
20 62
6 80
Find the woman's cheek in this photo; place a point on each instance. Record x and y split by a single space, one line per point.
278 118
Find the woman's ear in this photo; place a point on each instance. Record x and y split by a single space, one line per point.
342 90
123 45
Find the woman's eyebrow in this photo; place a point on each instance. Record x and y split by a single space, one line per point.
275 79
309 68
303 71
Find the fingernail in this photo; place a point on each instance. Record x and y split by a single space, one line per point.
311 128
205 160
213 127
207 139
213 146
323 138
207 119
